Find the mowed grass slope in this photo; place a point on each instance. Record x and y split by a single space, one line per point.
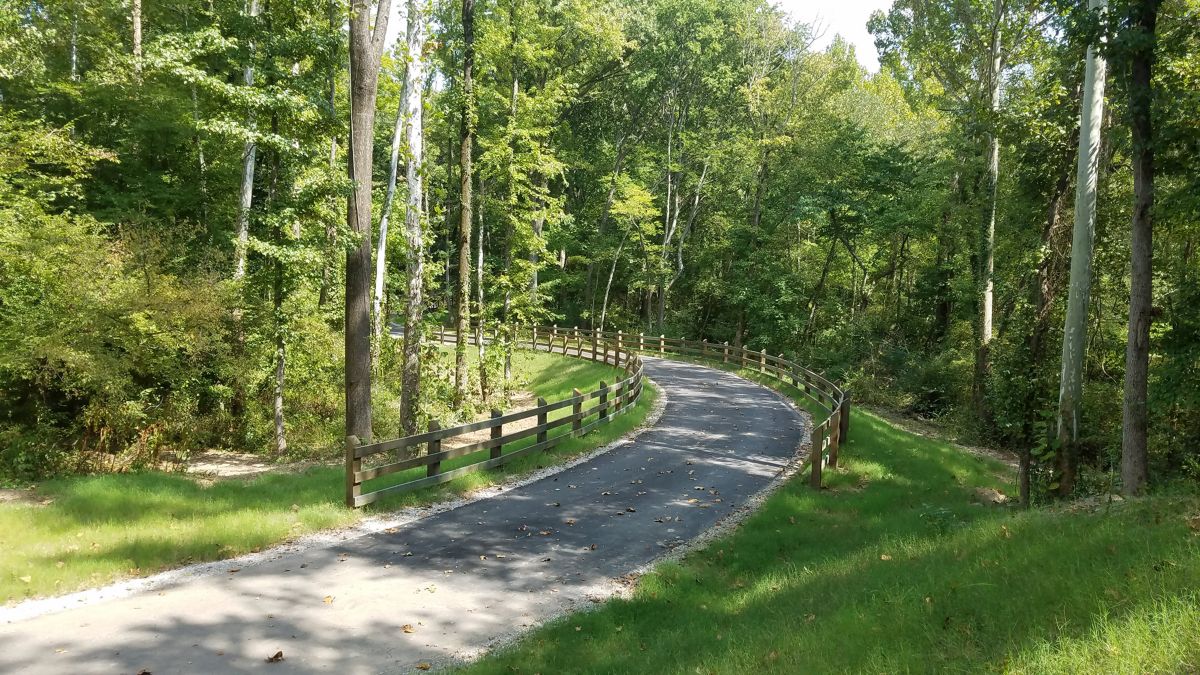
97 529
894 568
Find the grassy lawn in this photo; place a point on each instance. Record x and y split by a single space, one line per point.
893 568
97 529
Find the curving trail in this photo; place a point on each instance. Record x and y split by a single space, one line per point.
458 580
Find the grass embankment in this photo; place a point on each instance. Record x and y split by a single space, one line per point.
96 529
893 568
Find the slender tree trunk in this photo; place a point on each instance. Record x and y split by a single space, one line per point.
1134 469
277 299
612 271
249 152
136 18
1070 391
75 42
465 220
327 262
414 79
384 220
987 263
366 49
483 378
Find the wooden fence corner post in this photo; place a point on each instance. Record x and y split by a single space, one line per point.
541 420
816 456
617 359
497 432
725 352
603 400
577 412
762 360
353 466
434 447
594 333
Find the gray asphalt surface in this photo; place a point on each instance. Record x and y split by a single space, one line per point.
450 584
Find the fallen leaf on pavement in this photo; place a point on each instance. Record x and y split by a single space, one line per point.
329 599
408 628
276 658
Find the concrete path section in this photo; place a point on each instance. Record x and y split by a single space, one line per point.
449 585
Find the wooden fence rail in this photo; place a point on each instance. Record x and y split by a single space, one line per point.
425 449
612 347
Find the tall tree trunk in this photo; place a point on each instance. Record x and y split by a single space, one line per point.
414 79
366 49
1070 392
535 253
136 18
249 152
384 219
611 273
465 221
483 378
75 43
327 262
1134 470
987 263
683 235
277 298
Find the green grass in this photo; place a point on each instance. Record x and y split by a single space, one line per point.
98 529
895 569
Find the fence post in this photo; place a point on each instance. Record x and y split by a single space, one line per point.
835 441
541 437
533 339
577 412
641 342
742 357
553 337
497 432
617 362
603 400
845 430
353 466
725 352
435 447
441 334
762 360
594 333
662 344
816 456
704 348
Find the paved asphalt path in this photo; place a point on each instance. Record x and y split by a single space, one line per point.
451 583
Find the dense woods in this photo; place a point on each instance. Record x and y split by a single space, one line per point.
211 213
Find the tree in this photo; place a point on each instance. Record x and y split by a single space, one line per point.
1134 472
366 50
414 102
1075 328
463 314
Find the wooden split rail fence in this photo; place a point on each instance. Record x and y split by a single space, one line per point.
612 347
425 449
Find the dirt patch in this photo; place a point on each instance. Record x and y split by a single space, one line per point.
26 497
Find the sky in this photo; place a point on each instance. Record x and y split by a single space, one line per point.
847 18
